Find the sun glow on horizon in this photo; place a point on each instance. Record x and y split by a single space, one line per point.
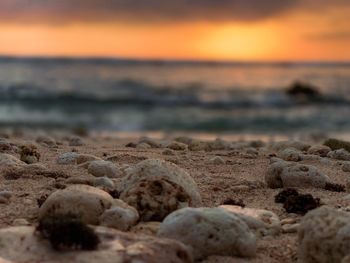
269 40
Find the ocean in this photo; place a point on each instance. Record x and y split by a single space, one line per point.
136 95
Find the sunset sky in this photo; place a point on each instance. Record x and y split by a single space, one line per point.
178 29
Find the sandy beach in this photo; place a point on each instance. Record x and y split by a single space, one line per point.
238 174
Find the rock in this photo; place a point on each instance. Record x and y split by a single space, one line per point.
217 160
104 168
289 154
46 140
320 150
260 221
75 141
7 160
20 222
151 142
121 216
285 174
184 139
346 167
20 244
197 145
218 145
279 146
67 158
209 231
104 182
156 188
87 202
336 144
290 228
143 145
177 146
340 154
146 228
309 157
83 158
323 236
29 154
88 180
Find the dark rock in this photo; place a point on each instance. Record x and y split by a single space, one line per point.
282 196
301 204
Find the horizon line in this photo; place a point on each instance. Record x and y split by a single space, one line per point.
172 60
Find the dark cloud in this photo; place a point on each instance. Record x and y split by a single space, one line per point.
151 10
139 10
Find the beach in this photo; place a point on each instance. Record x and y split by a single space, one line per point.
226 170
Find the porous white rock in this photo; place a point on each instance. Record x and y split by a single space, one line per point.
260 221
104 168
286 174
209 231
67 158
20 244
324 235
156 188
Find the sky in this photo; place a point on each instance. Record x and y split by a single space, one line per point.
259 30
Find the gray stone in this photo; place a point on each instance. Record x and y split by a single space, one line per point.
209 231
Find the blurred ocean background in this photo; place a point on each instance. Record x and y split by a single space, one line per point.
136 95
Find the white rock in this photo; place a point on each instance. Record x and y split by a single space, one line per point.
324 235
217 160
285 174
320 150
121 216
67 158
20 244
156 188
289 154
260 221
340 154
104 168
209 231
87 202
